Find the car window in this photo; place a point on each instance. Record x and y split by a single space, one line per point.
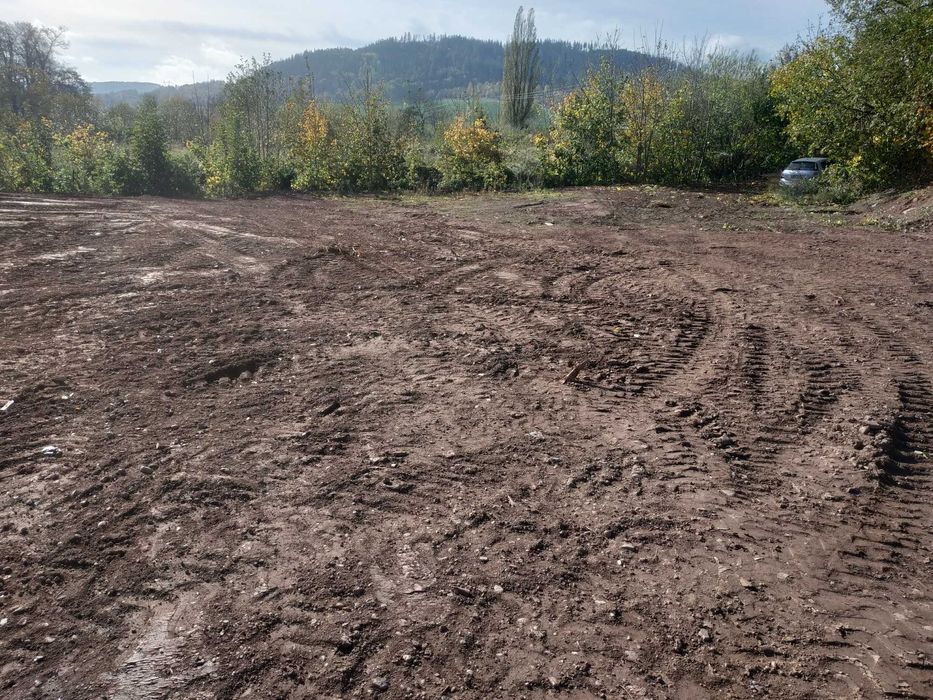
802 165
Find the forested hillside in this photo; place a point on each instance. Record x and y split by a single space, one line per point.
446 66
436 67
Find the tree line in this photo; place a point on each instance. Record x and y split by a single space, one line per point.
859 92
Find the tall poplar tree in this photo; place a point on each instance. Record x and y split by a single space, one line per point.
521 71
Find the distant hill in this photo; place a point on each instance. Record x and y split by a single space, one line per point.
132 93
437 67
108 87
109 93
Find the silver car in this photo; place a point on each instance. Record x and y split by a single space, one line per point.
802 170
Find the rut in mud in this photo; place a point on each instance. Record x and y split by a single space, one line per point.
636 443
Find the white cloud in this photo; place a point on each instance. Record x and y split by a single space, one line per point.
219 54
213 60
174 70
727 41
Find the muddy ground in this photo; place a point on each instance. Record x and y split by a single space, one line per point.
604 443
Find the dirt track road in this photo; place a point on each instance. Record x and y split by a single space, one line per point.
294 448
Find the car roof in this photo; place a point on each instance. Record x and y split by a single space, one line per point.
810 160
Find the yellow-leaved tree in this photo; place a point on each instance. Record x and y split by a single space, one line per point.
472 156
85 161
313 151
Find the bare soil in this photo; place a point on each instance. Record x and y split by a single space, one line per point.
635 443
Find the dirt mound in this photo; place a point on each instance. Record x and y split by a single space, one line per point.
899 209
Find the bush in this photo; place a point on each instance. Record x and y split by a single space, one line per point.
419 173
186 174
149 151
840 185
471 157
126 175
582 147
84 162
26 157
277 174
230 164
368 154
521 161
837 185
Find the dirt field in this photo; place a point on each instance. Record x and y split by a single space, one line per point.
604 443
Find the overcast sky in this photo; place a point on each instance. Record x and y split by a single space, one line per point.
176 42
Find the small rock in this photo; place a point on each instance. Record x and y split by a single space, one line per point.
329 408
380 684
246 376
345 645
398 486
146 470
704 635
497 589
51 451
745 583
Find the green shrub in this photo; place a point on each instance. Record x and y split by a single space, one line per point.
186 174
521 161
368 155
127 177
583 145
840 185
420 174
277 174
149 150
231 165
26 150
